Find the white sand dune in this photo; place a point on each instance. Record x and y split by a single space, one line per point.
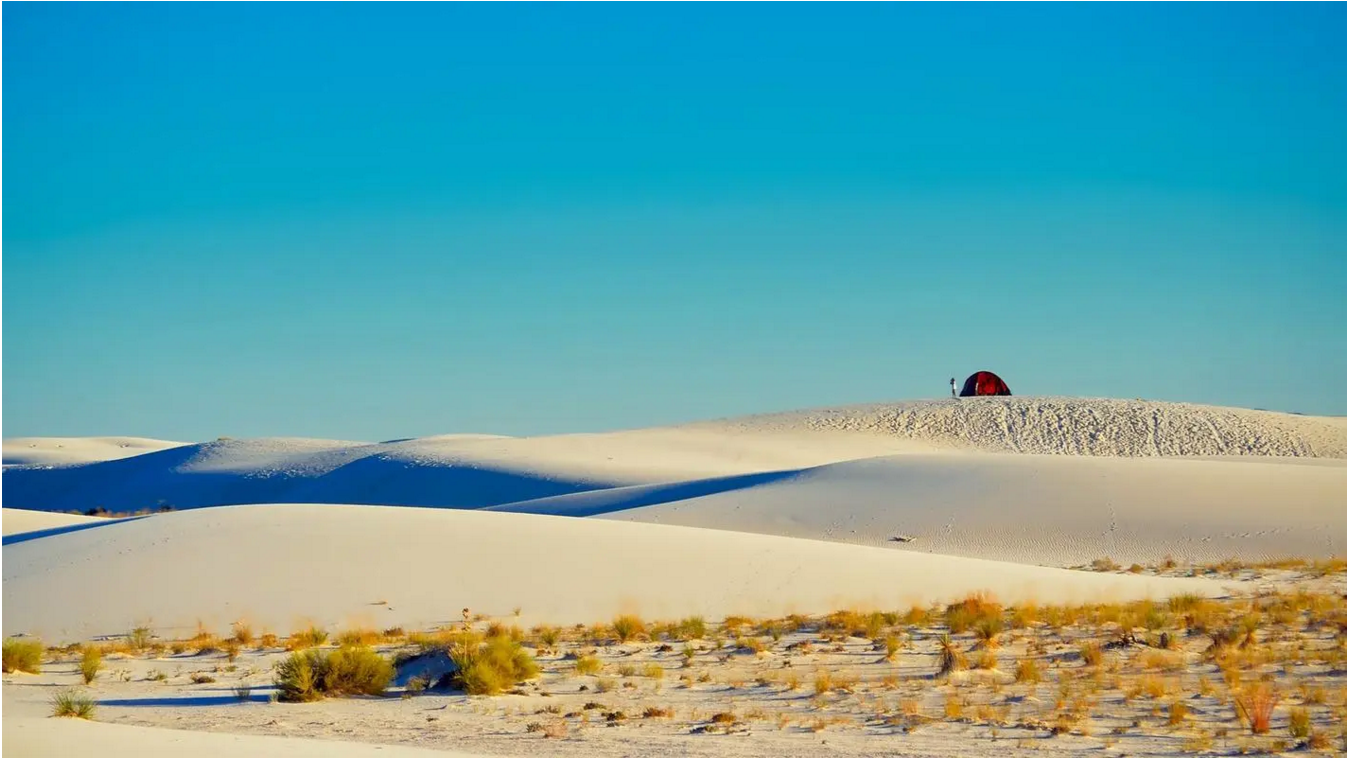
77 450
20 521
44 736
279 564
1074 426
1057 510
479 471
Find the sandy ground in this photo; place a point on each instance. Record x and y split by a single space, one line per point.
784 688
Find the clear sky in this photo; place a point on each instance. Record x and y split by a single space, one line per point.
369 221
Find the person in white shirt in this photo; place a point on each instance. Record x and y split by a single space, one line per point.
953 381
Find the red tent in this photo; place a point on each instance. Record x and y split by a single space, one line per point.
985 383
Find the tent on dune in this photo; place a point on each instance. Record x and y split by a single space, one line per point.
984 383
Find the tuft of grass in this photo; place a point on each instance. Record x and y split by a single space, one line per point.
351 670
690 628
1028 672
588 665
605 684
1299 722
91 661
139 639
309 637
657 712
201 678
627 626
547 636
977 609
488 667
892 644
654 671
1091 653
357 637
1177 711
242 692
985 660
950 658
822 683
1254 704
242 633
72 703
22 655
1105 564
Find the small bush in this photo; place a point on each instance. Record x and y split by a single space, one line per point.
822 683
308 638
488 667
22 655
588 665
357 637
201 678
1105 564
654 671
627 627
892 644
1091 653
243 633
90 663
1177 712
1299 722
974 610
242 692
72 703
351 670
1028 672
139 638
950 659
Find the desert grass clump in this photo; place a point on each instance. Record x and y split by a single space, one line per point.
892 644
627 627
588 665
985 660
974 610
242 633
822 683
690 628
654 671
243 692
72 703
22 655
950 657
546 637
1299 723
350 670
1104 564
1177 711
488 667
91 661
309 637
139 639
1091 653
1028 672
357 637
1254 704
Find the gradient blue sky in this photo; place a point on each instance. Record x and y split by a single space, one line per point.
371 221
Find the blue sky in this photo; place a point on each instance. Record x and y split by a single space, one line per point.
370 221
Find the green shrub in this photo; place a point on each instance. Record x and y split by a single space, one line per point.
349 671
72 703
139 638
357 671
90 663
488 667
22 655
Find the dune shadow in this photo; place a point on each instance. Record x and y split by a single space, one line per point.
610 500
185 701
23 537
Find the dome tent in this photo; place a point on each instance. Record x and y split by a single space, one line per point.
985 383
